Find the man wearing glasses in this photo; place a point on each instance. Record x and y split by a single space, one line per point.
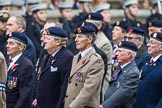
149 93
136 35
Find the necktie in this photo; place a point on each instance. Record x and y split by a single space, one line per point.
49 60
151 62
9 62
79 58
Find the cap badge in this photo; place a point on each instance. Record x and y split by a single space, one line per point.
130 31
89 17
118 22
138 25
48 33
5 15
150 24
155 35
79 30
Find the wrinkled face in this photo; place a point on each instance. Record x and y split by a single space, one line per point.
153 30
117 34
133 10
154 47
133 38
106 16
51 44
41 16
122 55
68 14
12 26
13 48
82 42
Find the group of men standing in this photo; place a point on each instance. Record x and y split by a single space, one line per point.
91 78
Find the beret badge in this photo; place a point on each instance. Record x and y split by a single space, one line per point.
89 17
79 30
118 23
138 24
48 33
130 31
155 35
150 24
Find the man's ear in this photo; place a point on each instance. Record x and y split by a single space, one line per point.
90 38
58 41
160 29
160 47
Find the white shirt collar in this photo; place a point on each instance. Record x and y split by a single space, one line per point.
156 58
55 52
85 51
122 66
14 60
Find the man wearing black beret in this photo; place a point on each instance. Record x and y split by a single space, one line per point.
155 26
137 35
55 69
20 73
87 72
122 89
104 44
149 93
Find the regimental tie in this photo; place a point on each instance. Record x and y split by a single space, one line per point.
151 62
49 60
9 62
79 58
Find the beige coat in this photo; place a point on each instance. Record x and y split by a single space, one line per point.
84 91
3 77
103 43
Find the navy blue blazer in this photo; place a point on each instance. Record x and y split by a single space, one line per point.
53 79
19 84
149 91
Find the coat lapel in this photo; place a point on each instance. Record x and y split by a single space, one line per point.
10 71
54 59
76 66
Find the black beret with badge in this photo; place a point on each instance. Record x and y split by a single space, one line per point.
85 29
94 16
128 45
155 23
136 30
121 23
19 37
157 36
57 32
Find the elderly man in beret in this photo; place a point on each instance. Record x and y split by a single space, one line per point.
122 89
119 31
137 35
87 71
149 93
55 69
103 43
20 73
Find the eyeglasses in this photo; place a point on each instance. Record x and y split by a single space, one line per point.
153 43
130 38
